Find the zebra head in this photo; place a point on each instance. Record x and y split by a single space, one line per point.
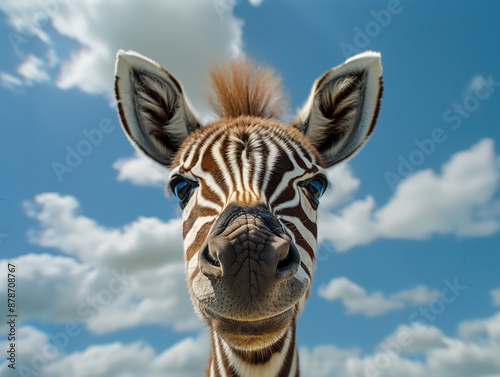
249 187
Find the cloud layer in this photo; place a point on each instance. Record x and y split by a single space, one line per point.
410 350
141 171
357 300
45 355
460 200
109 278
99 32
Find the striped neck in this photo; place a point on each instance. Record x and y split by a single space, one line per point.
279 359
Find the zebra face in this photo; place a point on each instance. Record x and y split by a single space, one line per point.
249 186
249 190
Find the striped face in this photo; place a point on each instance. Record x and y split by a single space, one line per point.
249 189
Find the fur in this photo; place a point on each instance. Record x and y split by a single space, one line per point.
340 113
251 162
243 88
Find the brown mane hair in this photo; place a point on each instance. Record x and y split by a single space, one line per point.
242 87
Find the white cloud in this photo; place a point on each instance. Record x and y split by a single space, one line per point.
357 300
450 203
460 201
476 84
121 360
53 285
343 185
328 361
10 82
147 253
41 355
413 339
464 359
141 171
33 70
495 296
147 242
28 338
325 360
382 365
186 358
438 355
185 37
60 289
28 17
479 328
420 295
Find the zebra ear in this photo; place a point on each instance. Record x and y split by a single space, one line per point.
342 109
152 107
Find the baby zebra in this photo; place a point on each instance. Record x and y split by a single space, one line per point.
249 187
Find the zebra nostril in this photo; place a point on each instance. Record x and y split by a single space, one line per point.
209 264
288 266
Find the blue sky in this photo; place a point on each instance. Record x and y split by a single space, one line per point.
407 278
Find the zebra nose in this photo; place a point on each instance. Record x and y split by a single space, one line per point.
274 259
208 262
288 266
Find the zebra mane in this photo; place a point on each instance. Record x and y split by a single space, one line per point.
244 88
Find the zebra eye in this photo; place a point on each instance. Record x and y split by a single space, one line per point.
182 188
317 187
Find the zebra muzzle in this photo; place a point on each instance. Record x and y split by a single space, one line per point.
248 251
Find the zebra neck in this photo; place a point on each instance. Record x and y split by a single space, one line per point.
279 359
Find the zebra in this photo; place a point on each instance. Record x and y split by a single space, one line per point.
249 187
